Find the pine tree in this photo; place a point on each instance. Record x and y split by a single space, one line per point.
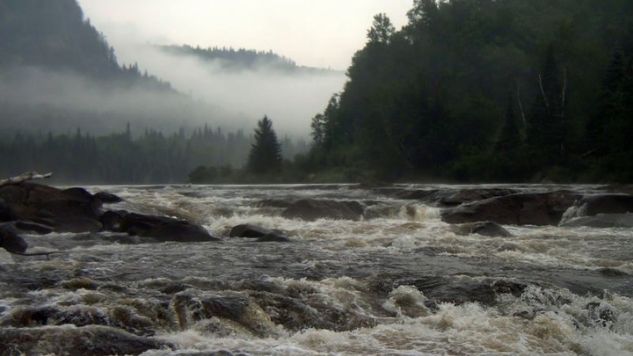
510 137
265 155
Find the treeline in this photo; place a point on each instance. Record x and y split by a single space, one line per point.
484 90
125 158
242 59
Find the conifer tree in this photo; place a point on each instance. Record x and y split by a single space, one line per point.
265 155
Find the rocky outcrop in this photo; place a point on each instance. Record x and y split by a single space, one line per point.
258 232
11 241
69 210
485 228
516 209
602 221
592 205
311 210
160 228
107 198
72 340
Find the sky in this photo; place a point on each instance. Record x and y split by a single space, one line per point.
320 33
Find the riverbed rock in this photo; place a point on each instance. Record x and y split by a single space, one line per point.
10 240
160 228
465 290
516 209
312 210
592 205
69 210
71 340
464 196
484 228
249 231
602 221
107 198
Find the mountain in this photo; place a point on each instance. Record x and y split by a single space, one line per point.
54 35
231 59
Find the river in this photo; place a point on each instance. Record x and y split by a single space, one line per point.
398 282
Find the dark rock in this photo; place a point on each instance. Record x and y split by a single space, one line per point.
516 209
107 198
68 340
592 205
10 240
311 210
157 227
485 228
250 231
6 214
612 272
273 238
460 291
33 227
471 195
275 203
601 314
602 221
69 210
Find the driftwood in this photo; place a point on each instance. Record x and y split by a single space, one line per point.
25 177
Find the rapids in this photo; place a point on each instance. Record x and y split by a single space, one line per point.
398 282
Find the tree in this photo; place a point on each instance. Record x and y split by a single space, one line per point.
265 155
509 137
382 30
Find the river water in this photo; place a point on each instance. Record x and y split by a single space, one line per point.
400 283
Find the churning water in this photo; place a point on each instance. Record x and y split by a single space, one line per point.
398 282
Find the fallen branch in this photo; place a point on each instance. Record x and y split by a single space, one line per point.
25 177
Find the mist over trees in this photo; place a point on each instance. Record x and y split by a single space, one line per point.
486 90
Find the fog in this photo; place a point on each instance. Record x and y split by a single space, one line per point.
289 99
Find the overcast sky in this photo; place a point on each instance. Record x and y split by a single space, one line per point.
323 33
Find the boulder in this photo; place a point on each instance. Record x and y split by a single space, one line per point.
11 241
107 198
602 221
312 210
69 210
71 340
592 205
33 227
464 196
274 237
250 231
484 228
516 209
159 228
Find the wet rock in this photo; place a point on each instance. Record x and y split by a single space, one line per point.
311 210
516 209
160 228
67 210
10 240
70 340
250 231
33 227
601 314
407 194
612 272
592 205
485 228
460 291
6 214
274 237
107 198
602 221
471 195
275 203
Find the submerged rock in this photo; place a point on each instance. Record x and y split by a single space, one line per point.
258 232
312 209
485 228
516 209
71 340
157 227
592 205
603 221
107 198
10 240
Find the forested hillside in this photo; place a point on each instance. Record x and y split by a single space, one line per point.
482 90
242 59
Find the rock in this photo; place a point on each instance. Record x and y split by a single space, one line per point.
160 228
602 221
460 291
11 241
69 210
486 228
107 198
311 210
275 203
6 214
250 231
273 238
592 205
33 227
71 340
516 209
471 195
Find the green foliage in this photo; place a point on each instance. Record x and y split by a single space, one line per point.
429 100
265 155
